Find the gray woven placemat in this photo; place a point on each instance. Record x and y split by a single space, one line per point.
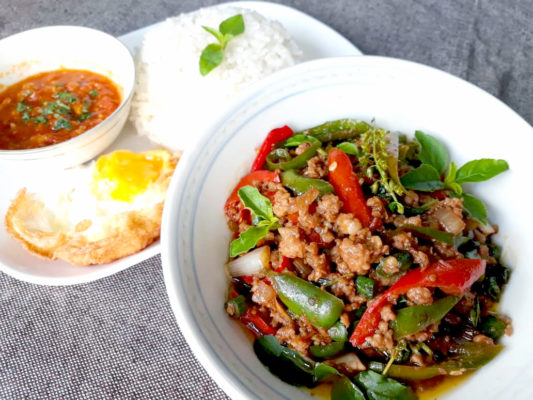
117 338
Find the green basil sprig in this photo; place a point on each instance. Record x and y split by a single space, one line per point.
435 162
262 218
213 54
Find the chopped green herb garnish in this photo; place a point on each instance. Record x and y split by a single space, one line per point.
66 96
93 93
40 120
213 54
25 117
84 116
62 123
22 106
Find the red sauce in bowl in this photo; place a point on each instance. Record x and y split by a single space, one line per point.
55 106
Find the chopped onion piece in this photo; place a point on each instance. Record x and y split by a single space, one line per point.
349 362
451 222
251 263
487 229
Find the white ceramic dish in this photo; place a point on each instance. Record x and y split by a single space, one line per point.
401 96
313 37
37 50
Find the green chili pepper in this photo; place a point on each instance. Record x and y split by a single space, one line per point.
338 332
342 129
327 350
300 184
303 298
238 305
365 286
414 319
273 159
493 327
344 389
469 356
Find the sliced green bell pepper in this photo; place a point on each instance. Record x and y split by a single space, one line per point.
338 332
342 129
281 159
300 184
416 318
327 350
303 298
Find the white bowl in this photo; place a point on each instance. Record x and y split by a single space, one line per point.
400 96
72 47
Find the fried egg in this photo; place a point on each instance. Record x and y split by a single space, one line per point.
97 213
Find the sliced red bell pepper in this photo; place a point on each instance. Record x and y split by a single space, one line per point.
274 137
257 322
347 187
284 265
453 277
256 176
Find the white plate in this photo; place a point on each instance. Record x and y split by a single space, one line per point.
401 96
316 39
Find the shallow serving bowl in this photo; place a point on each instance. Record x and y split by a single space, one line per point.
398 95
72 47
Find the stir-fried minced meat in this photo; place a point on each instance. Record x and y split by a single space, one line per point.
265 295
290 244
345 233
329 207
316 167
419 295
347 224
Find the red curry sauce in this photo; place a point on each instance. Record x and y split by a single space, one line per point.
55 106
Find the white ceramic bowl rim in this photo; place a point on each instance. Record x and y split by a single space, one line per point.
185 184
106 122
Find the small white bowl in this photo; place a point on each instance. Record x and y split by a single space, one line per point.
401 96
72 47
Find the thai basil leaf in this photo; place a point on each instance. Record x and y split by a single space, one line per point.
211 58
378 387
474 208
214 32
480 170
285 363
248 239
345 389
324 372
424 178
254 201
349 148
432 152
232 26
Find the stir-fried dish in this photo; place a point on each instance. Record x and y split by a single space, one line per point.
359 260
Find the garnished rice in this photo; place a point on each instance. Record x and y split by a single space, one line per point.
173 102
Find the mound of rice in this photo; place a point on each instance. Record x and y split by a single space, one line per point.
173 102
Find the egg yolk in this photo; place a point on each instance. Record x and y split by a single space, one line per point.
127 174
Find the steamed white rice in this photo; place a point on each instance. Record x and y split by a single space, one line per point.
173 102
